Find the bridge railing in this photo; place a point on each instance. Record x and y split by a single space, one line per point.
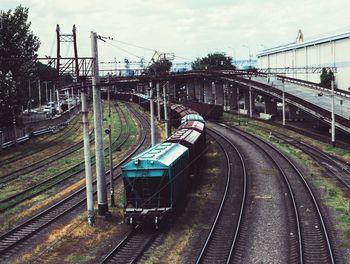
323 114
313 85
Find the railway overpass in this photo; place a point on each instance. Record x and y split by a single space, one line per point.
220 87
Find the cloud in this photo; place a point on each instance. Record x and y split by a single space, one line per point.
190 28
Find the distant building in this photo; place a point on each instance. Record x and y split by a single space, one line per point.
330 51
245 64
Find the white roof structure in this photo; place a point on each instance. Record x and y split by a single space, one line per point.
304 44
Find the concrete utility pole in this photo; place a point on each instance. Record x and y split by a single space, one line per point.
68 101
29 91
283 104
238 109
14 126
333 115
1 139
158 99
109 98
153 135
109 132
225 96
39 88
250 98
58 101
46 94
87 156
100 161
187 93
166 110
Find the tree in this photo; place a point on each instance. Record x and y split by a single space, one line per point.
161 66
326 78
18 47
213 61
8 99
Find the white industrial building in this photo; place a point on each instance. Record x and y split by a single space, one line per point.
303 60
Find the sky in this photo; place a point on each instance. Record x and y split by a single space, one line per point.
188 28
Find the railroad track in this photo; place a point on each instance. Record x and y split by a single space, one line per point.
223 234
309 224
13 239
337 168
5 179
132 247
62 177
53 141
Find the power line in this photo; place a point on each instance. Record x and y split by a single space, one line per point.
145 48
133 45
118 47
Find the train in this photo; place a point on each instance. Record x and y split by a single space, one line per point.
156 180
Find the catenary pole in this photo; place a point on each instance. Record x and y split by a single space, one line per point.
39 88
58 101
87 157
158 99
46 95
283 104
109 132
166 110
333 115
250 99
99 151
238 107
153 136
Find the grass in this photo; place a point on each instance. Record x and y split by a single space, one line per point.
42 200
67 163
345 154
340 153
78 258
334 197
61 243
184 228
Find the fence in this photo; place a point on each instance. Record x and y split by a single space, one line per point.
35 125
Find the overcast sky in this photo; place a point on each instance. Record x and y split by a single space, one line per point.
189 28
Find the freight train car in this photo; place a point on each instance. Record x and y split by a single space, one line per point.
193 140
208 111
177 112
192 117
154 181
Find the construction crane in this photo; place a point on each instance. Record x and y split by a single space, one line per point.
159 56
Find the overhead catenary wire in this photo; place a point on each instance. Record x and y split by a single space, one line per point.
145 48
126 51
